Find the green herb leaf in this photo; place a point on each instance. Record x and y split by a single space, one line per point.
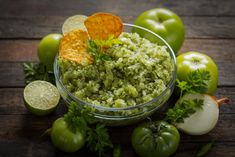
183 110
74 120
117 151
92 47
196 82
85 113
107 43
98 139
204 149
97 48
37 71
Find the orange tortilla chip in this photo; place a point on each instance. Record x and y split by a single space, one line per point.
73 47
102 25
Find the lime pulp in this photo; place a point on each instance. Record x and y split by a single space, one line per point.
41 97
74 22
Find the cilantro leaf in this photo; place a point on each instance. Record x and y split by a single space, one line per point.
37 71
85 113
196 82
183 109
98 139
73 119
97 48
107 43
92 47
204 149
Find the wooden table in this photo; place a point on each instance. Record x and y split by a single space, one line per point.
210 28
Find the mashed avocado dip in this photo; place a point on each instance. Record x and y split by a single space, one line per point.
137 72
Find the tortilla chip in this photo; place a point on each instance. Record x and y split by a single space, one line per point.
102 25
73 47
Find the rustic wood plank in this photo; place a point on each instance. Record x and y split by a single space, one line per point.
36 148
12 74
39 148
39 26
29 126
219 149
26 50
22 134
121 7
12 102
18 50
217 49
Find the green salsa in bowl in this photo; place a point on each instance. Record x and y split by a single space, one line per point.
136 79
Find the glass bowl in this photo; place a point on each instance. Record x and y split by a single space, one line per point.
122 116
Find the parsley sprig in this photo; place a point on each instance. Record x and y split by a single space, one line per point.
183 110
74 120
97 48
196 82
98 138
37 71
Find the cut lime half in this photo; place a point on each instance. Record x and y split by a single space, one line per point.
74 22
41 97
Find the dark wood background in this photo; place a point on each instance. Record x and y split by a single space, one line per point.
210 28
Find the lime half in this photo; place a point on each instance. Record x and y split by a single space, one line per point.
74 22
41 97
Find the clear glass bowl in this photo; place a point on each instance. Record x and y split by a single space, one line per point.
128 115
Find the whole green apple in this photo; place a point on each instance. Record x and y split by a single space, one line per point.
164 23
191 61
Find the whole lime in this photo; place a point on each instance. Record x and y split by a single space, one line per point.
47 49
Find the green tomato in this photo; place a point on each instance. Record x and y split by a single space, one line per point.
47 49
64 139
155 139
190 61
164 23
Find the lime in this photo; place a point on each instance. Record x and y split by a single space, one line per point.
74 22
41 97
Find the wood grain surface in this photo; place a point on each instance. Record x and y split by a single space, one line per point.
210 28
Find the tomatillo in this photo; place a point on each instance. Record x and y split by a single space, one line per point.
64 139
191 61
47 49
164 23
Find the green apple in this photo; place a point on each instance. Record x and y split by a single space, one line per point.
47 49
163 22
190 61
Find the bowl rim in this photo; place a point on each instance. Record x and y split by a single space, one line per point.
169 85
